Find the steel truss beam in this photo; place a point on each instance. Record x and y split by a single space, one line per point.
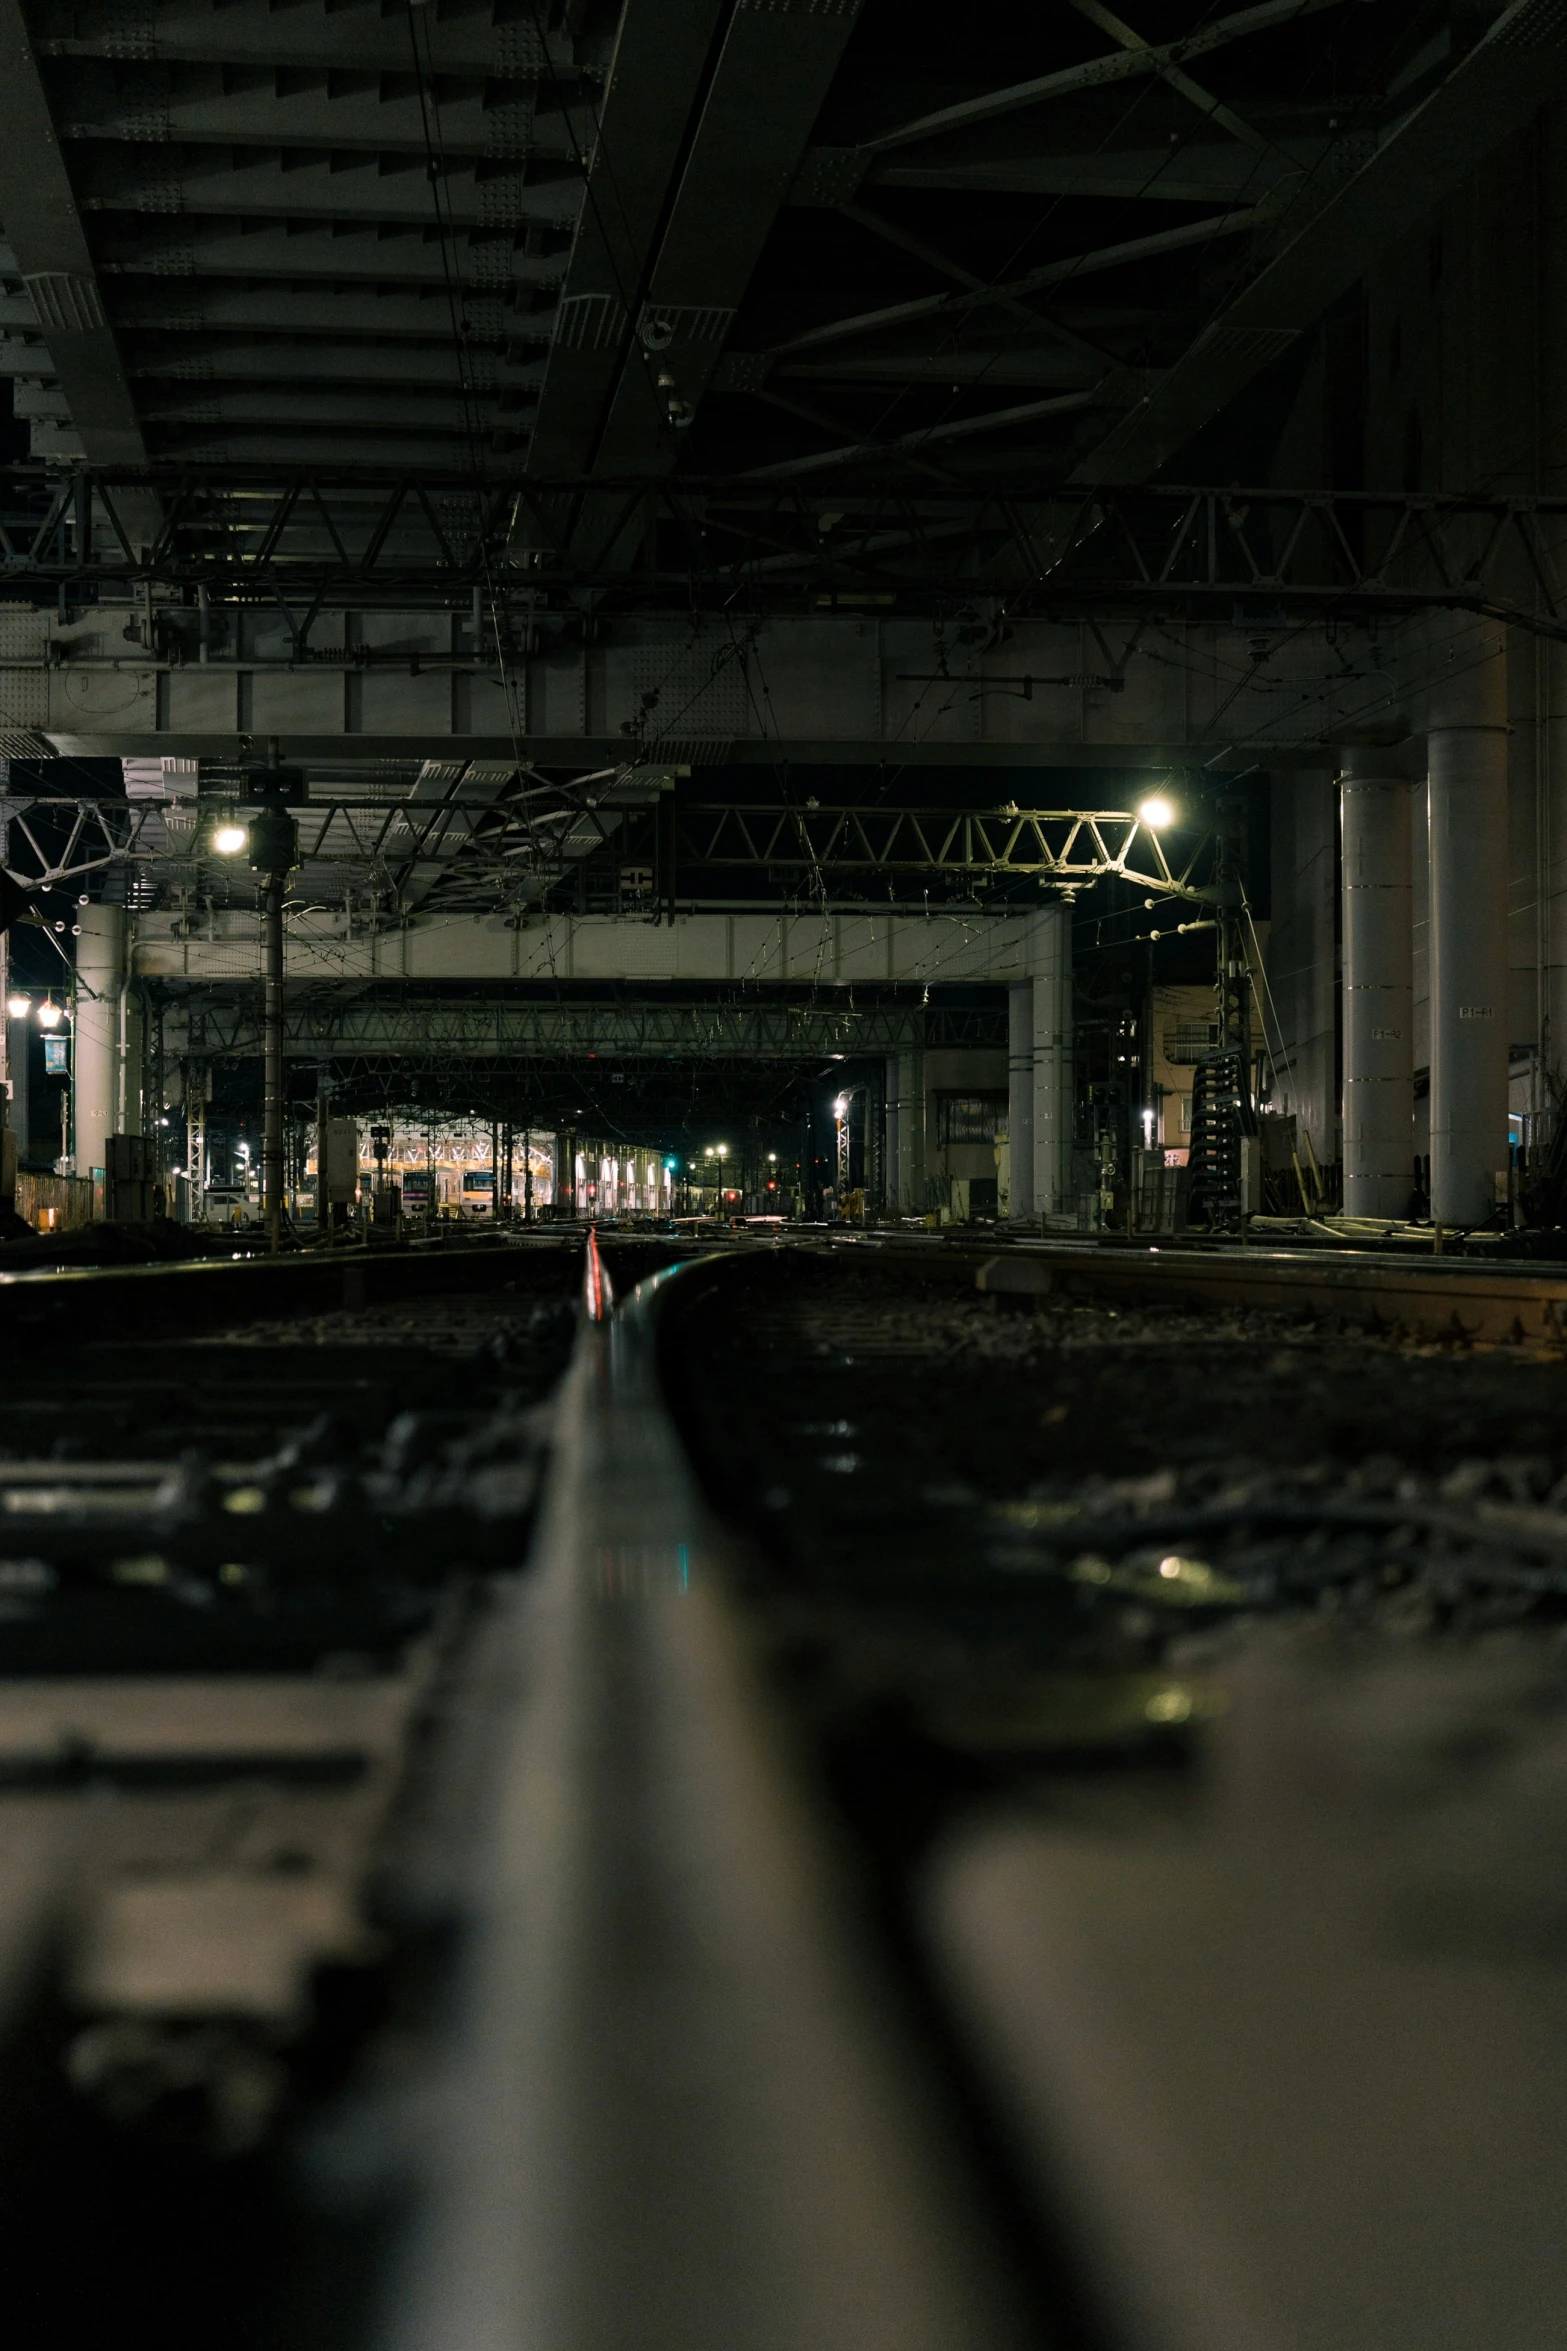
435 1031
1068 848
1227 554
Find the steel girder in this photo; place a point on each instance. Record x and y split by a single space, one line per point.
455 852
435 1030
1067 848
226 151
1233 555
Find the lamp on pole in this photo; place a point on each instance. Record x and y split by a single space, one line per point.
272 838
842 1112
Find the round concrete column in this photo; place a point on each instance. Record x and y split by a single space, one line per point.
1379 1006
95 1056
1467 756
1020 1096
1052 1058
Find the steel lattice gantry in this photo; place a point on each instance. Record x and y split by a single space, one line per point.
515 845
307 541
1067 849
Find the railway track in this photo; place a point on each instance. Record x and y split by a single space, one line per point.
1475 1302
835 1797
252 1521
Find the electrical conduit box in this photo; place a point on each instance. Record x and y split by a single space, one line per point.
133 1180
340 1177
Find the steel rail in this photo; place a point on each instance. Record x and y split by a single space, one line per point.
677 2113
1460 1300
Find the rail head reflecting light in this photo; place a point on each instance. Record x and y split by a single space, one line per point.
598 1294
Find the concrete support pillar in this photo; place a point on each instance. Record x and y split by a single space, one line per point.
1020 1096
96 1046
1053 1099
910 1092
1379 1009
1467 760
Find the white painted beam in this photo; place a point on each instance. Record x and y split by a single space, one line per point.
834 950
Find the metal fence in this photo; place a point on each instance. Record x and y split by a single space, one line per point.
56 1203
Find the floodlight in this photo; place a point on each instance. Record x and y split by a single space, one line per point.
230 839
19 1006
50 1014
1155 812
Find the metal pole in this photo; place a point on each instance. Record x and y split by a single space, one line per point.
1053 1094
1234 975
1020 1097
196 1131
272 1039
157 1082
323 1117
527 1177
892 1149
